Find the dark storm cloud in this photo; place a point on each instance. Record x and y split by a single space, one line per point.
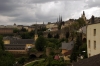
7 5
93 3
29 11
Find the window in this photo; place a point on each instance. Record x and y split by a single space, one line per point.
94 44
89 43
94 32
89 54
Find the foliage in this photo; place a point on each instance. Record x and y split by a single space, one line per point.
40 43
23 30
81 22
1 43
82 48
15 30
56 36
21 60
32 33
25 35
50 35
59 26
78 49
49 61
67 34
6 59
53 43
40 33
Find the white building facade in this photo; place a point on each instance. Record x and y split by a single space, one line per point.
93 39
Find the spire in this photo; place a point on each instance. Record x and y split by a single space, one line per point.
83 13
14 23
92 19
36 28
43 22
59 18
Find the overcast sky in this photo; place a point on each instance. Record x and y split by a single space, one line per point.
27 12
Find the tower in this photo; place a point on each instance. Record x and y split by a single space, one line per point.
36 35
84 18
59 18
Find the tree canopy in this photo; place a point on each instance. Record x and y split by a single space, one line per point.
6 59
1 43
40 43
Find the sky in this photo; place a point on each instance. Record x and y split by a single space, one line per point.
28 12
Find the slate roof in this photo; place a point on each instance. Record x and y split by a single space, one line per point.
17 44
68 46
91 61
22 41
15 47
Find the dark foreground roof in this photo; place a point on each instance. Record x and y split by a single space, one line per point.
91 61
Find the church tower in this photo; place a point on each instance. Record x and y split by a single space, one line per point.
84 18
36 35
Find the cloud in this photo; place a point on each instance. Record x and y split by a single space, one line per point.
27 12
93 3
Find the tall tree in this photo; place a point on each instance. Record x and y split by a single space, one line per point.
6 59
56 36
40 43
67 35
76 49
49 35
1 43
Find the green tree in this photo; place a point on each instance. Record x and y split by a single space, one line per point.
59 26
6 59
49 35
15 30
23 29
76 51
40 43
32 33
56 36
25 35
1 43
82 48
81 22
67 35
21 60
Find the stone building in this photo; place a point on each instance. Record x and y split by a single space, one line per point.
93 42
18 46
6 31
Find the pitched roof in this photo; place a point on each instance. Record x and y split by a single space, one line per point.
68 46
22 41
15 47
91 61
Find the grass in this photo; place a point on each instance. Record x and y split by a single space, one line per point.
31 63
